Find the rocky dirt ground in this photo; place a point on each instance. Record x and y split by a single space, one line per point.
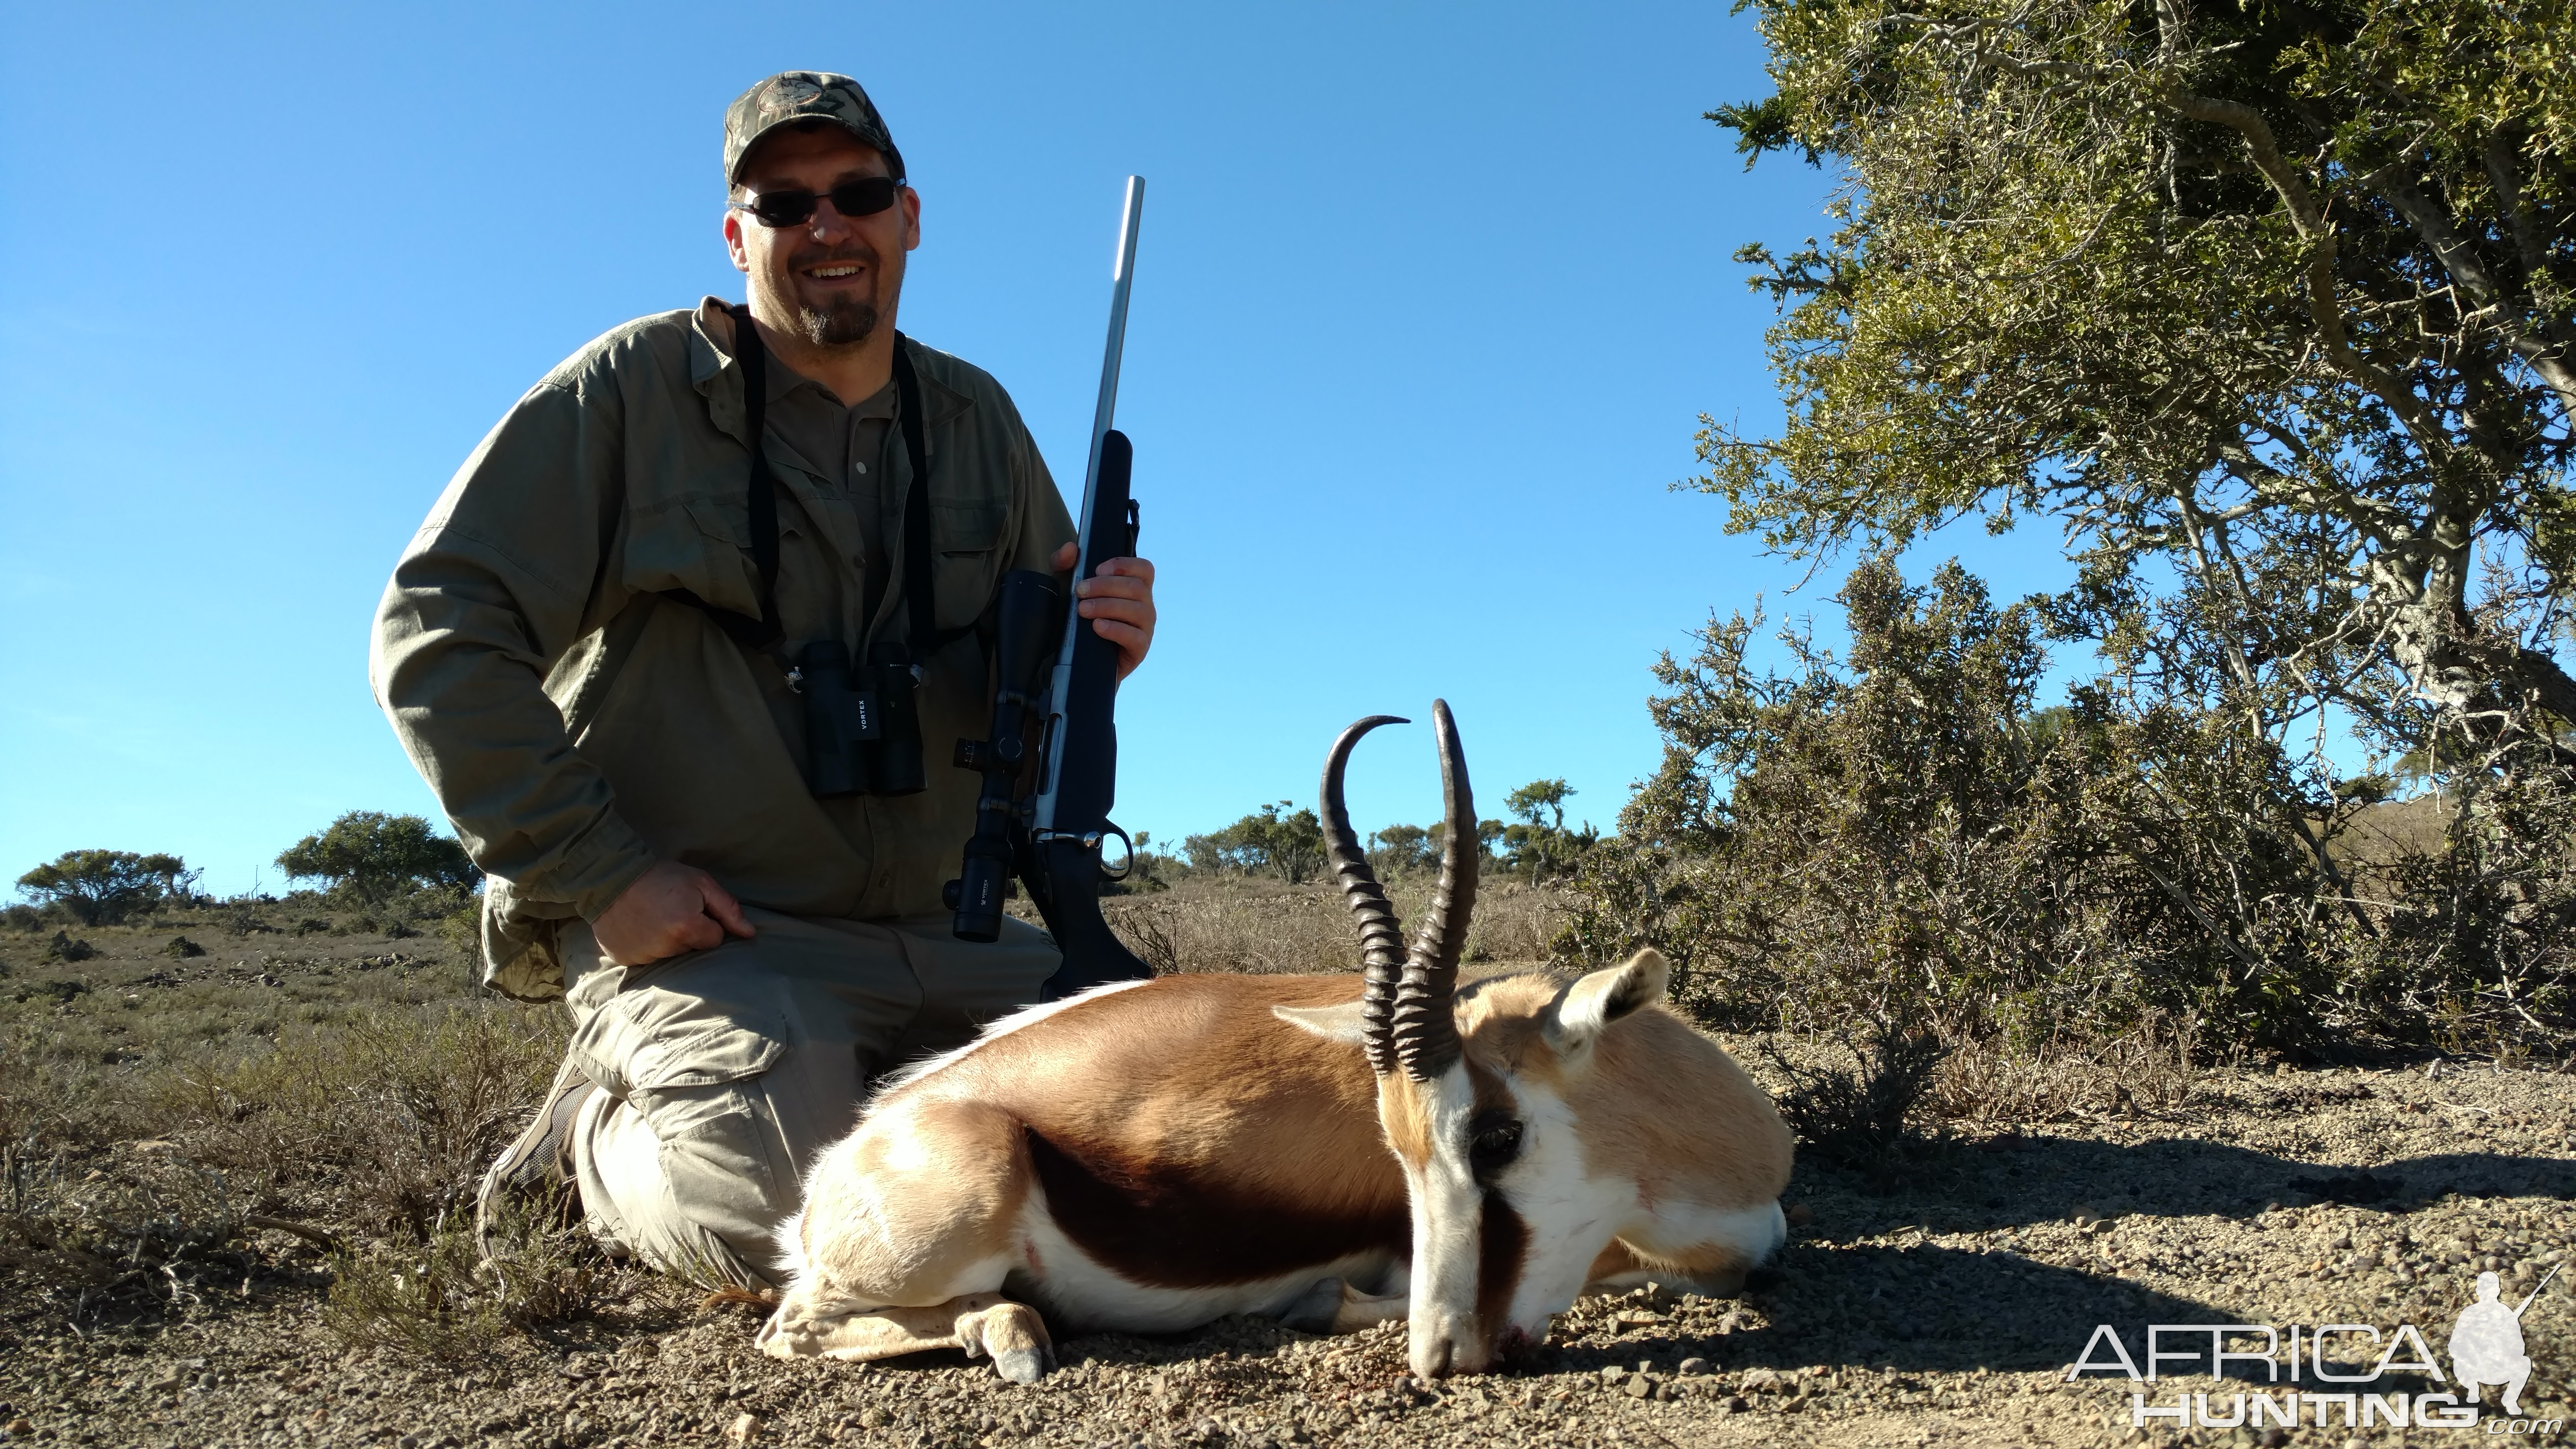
1934 1299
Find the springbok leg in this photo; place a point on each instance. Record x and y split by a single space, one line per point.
1359 1310
984 1325
1716 1270
1334 1306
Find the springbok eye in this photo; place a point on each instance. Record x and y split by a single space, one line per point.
1493 1142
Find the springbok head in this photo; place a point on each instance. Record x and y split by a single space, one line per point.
1478 1093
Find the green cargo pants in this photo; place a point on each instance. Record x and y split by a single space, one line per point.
725 1071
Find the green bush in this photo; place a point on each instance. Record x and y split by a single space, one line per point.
371 859
1539 847
105 887
1904 835
1279 840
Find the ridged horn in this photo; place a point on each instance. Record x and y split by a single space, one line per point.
1381 935
1426 1028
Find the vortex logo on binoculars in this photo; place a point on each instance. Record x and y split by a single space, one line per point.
2485 1351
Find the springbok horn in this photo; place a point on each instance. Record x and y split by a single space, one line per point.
1381 936
1426 1030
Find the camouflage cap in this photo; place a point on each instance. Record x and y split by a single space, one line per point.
794 96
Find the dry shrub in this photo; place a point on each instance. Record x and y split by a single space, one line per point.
2148 1068
450 1299
1250 924
1855 1100
384 1120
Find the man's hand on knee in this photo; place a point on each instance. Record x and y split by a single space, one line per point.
670 909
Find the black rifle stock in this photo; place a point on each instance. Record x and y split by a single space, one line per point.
1043 814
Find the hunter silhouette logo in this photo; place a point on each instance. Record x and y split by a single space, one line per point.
2486 1344
2486 1348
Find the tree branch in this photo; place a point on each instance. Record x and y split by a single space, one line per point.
2310 221
2461 260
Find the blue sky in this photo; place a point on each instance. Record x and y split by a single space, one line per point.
1428 300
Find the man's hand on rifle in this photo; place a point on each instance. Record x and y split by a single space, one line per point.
670 909
1119 600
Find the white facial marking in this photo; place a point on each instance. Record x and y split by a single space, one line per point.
1571 1216
1448 1217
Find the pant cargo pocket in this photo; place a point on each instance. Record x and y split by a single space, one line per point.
690 1067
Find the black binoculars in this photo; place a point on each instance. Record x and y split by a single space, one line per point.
862 727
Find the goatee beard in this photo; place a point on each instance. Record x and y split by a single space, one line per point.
846 324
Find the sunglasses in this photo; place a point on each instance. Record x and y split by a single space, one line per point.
864 197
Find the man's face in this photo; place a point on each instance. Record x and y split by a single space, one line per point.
831 278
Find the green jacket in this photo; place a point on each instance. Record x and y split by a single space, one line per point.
577 727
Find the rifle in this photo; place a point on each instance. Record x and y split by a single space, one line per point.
1043 814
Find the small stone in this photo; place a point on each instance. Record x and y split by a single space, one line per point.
1736 1404
1612 1375
1692 1366
2083 1216
17 1427
745 1428
1640 1385
1800 1215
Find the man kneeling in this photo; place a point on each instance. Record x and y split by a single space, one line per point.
594 651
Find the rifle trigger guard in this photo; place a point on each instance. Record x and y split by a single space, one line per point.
1127 866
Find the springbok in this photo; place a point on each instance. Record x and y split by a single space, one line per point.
1335 1151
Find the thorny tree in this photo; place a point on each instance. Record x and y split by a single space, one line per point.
2275 295
2268 306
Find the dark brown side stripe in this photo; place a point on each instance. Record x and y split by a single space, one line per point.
1502 1245
1155 1223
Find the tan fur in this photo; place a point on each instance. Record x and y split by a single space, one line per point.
933 1190
1404 1117
1664 1106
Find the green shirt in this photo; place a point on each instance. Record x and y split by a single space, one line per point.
577 727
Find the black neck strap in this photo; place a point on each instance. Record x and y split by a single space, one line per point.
920 602
921 621
763 488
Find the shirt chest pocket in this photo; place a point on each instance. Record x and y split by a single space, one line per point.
698 543
965 539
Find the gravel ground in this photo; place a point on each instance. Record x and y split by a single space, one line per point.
1936 1301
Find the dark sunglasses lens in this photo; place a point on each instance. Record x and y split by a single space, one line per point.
782 208
864 198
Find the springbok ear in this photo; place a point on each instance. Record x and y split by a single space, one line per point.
1341 1023
1576 1019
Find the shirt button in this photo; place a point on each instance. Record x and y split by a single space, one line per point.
861 467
